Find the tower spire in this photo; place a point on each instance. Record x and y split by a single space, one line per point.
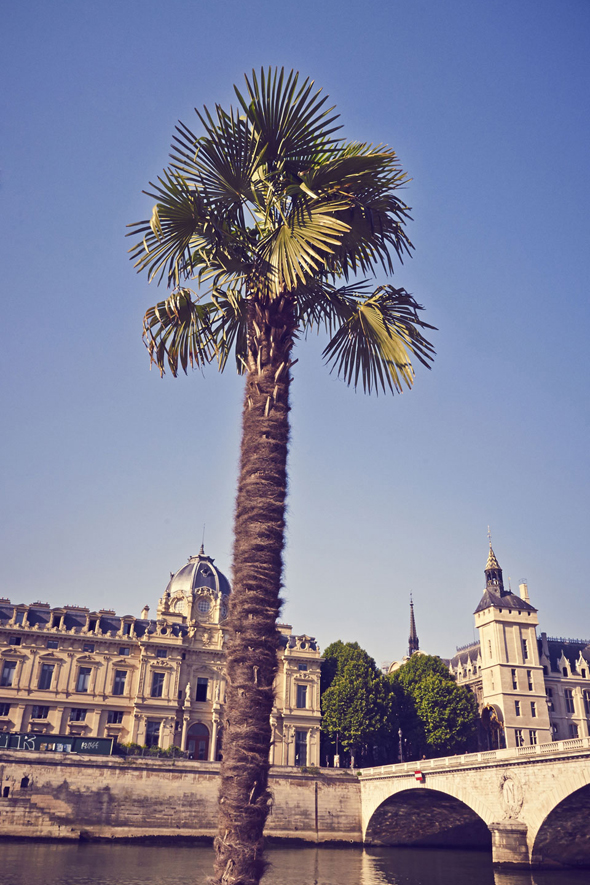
493 572
413 644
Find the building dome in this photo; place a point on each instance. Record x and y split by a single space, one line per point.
197 592
198 574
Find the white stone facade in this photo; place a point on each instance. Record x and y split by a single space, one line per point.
152 682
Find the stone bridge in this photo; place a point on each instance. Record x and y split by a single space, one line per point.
531 804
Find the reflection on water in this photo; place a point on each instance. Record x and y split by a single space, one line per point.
39 863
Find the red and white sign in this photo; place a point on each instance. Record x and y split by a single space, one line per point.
419 776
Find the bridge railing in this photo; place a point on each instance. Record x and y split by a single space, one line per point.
485 757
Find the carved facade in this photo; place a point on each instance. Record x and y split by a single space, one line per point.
152 682
530 690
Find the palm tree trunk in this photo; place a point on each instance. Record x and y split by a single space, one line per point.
255 598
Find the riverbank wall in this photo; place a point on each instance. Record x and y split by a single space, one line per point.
51 796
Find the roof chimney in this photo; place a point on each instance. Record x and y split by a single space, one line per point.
524 591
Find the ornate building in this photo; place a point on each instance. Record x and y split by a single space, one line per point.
530 690
155 682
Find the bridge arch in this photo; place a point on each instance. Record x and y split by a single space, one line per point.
375 791
563 839
425 816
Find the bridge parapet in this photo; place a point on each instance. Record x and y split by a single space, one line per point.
486 757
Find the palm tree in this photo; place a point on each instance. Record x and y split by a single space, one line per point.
265 212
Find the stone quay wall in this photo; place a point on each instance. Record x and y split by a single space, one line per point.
80 797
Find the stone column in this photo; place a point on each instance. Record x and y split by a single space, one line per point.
185 721
582 720
95 729
314 746
19 716
213 743
69 676
509 843
32 668
288 731
136 726
273 740
60 724
141 726
166 738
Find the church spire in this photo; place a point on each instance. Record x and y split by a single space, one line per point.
413 643
493 572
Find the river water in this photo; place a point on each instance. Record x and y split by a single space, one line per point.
50 863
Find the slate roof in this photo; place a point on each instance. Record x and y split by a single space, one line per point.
505 600
465 655
198 572
76 620
571 648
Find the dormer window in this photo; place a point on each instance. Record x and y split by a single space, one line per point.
20 617
203 605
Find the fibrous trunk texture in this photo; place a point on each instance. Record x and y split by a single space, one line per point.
255 599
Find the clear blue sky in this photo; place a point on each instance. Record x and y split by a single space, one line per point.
108 472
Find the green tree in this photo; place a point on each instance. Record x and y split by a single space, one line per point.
265 212
448 713
334 657
417 668
437 716
358 706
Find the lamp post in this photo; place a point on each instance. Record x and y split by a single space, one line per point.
401 749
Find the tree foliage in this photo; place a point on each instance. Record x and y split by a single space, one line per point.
358 706
437 716
268 201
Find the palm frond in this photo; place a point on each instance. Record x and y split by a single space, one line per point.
178 217
373 347
297 248
230 327
291 120
221 163
179 331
